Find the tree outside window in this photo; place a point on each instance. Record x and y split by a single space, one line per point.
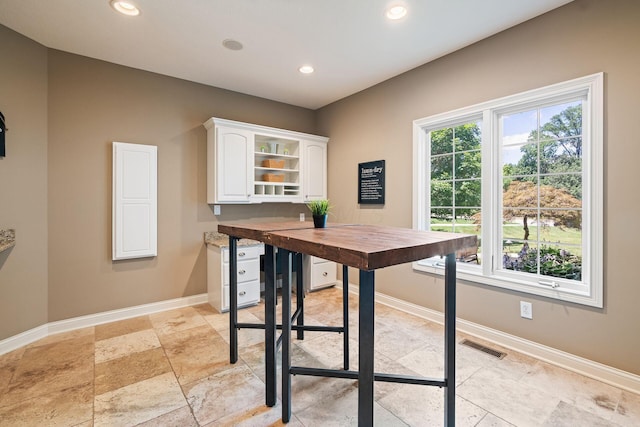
542 191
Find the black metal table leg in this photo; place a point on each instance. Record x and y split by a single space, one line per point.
450 339
286 335
345 316
233 299
365 355
270 324
300 294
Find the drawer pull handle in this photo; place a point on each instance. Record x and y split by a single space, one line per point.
241 272
325 274
241 254
242 293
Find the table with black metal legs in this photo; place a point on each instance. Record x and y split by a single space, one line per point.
259 232
369 248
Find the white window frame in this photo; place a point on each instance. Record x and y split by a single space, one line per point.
590 290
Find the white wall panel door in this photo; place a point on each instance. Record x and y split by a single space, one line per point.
135 200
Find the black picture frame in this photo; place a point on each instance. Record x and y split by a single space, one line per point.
371 182
3 132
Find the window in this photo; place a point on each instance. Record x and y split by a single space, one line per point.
524 173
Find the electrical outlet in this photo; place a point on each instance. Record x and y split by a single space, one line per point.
216 209
526 310
301 216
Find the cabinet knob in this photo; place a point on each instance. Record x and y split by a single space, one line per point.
325 273
241 272
242 293
241 254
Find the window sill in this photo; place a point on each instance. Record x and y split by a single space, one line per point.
466 273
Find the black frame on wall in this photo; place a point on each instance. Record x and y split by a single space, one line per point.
371 183
3 131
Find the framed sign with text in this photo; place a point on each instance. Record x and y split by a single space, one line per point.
371 183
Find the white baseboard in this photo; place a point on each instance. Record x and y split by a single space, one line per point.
23 338
598 371
32 335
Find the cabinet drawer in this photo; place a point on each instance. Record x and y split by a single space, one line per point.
244 252
247 271
316 260
323 274
248 294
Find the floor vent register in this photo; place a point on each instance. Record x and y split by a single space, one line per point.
483 348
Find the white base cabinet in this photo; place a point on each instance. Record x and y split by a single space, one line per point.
248 276
319 273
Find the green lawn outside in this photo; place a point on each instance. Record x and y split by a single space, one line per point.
568 238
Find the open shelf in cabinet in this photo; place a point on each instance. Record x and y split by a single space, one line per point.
276 167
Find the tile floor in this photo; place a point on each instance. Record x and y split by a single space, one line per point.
171 369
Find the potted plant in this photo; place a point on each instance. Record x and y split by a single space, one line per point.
319 210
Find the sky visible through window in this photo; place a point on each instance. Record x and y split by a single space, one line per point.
516 129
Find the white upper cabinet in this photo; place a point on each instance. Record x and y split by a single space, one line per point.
255 164
232 173
315 170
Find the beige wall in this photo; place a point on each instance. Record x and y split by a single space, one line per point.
581 38
23 183
55 188
91 104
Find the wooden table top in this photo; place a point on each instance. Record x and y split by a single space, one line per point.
367 247
259 230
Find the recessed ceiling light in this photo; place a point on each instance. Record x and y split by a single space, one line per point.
306 69
396 12
125 7
232 44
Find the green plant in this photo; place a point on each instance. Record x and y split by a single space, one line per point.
319 207
553 262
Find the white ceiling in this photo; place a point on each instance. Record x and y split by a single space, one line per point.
349 42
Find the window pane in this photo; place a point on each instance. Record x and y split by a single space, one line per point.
441 193
559 261
520 224
518 127
520 159
442 141
442 219
468 165
470 224
520 193
442 167
561 120
524 258
562 226
568 149
555 196
570 184
441 213
467 136
470 214
468 193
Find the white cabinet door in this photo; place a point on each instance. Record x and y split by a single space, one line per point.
135 201
314 170
233 155
229 164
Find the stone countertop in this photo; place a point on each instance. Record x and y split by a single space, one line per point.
222 240
7 239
